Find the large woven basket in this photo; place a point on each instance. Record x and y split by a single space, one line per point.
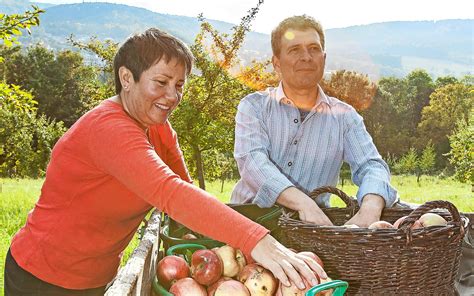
401 261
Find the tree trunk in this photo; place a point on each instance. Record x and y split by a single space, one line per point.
199 167
222 183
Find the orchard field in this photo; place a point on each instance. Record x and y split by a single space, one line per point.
17 198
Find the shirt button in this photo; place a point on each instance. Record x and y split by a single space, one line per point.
290 163
295 121
295 142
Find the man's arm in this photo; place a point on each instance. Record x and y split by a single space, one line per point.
369 212
369 172
307 208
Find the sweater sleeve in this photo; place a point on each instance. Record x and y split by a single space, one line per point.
166 135
119 148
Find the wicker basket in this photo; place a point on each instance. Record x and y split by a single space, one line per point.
401 261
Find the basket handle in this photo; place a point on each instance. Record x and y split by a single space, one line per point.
341 287
350 202
174 249
426 207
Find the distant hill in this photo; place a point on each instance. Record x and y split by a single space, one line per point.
382 49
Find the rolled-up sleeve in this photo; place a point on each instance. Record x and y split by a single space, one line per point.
260 175
369 171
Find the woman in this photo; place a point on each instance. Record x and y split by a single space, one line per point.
110 168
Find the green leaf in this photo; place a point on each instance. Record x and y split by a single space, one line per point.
15 31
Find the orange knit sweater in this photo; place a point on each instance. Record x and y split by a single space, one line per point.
105 174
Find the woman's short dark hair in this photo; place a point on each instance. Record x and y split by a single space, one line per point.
297 22
141 51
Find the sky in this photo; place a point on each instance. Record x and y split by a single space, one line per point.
331 13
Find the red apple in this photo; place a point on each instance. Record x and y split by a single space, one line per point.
233 260
258 280
292 290
170 269
212 288
381 225
313 256
206 267
231 287
186 287
432 219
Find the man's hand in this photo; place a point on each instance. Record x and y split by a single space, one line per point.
369 212
308 210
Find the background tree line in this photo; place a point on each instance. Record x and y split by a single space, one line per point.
419 125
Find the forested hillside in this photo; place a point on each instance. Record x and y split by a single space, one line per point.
383 49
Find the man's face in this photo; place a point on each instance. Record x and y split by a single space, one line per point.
301 60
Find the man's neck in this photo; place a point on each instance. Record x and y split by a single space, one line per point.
303 98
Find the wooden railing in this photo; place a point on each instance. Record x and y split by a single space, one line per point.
135 278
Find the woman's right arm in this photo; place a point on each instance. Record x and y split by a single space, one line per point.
121 149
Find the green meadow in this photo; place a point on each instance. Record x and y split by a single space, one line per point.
17 198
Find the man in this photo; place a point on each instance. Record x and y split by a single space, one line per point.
293 138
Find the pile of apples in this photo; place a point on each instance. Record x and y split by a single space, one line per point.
223 271
428 219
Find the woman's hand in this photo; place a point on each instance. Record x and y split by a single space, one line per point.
285 264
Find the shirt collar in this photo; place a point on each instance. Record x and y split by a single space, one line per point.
280 96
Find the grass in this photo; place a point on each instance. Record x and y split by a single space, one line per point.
17 198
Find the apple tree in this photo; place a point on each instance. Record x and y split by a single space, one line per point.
12 24
204 120
26 140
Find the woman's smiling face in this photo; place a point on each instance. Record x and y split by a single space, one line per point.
157 93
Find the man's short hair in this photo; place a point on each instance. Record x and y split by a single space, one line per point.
141 51
297 22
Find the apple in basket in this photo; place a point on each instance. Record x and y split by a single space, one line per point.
432 219
212 288
258 280
187 287
381 225
350 226
231 287
415 225
170 269
233 260
206 267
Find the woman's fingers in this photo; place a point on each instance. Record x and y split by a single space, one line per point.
278 272
313 265
292 273
285 264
